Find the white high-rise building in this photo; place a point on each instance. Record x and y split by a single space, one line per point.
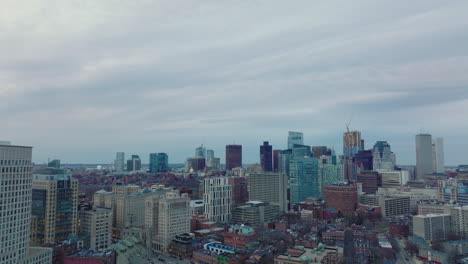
424 159
167 215
15 209
383 157
295 138
438 155
97 224
119 163
218 199
432 226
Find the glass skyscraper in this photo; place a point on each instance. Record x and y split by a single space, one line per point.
303 174
159 162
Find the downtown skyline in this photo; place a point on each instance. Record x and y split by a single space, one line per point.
81 82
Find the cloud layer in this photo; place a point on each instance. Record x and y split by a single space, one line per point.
80 80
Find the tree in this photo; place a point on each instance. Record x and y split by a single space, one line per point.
411 247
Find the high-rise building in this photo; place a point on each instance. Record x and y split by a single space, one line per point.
438 155
54 206
269 187
15 209
217 198
134 164
351 143
383 157
195 164
214 164
371 181
255 212
295 138
200 152
119 162
321 151
459 219
233 156
284 158
240 190
330 174
266 156
96 225
303 175
363 160
424 157
432 226
159 162
342 197
167 215
210 154
276 159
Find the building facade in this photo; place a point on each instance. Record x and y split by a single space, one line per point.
159 162
119 162
432 226
233 156
266 156
295 138
424 159
383 157
269 187
342 197
54 206
96 224
217 198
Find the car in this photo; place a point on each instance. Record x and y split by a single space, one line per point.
161 259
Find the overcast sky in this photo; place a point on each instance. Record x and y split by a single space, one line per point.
81 80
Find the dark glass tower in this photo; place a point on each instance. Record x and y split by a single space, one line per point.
266 156
233 156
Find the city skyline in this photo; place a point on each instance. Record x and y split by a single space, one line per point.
96 79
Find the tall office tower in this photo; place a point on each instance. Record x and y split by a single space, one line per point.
200 152
266 156
276 159
217 198
96 225
423 155
432 226
134 164
233 156
214 164
351 143
270 188
342 197
371 181
54 164
240 191
167 216
159 162
330 174
15 187
363 160
459 220
321 151
119 162
54 206
438 155
195 164
295 138
303 175
210 154
383 157
284 158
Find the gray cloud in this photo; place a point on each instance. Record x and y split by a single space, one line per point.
80 80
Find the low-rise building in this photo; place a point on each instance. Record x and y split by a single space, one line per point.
255 212
302 255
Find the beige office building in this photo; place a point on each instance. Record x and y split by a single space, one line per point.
167 215
269 187
15 212
432 226
97 225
